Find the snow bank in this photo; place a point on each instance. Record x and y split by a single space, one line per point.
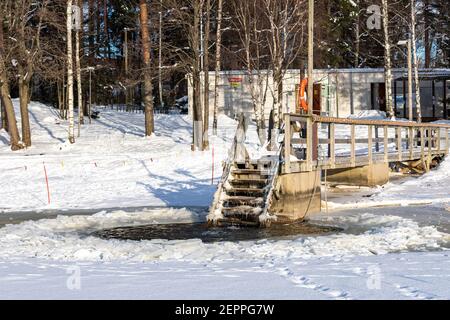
431 188
67 239
369 115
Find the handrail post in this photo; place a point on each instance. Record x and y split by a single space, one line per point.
369 144
446 141
386 143
353 149
333 145
430 147
309 143
438 145
399 144
422 147
411 143
287 143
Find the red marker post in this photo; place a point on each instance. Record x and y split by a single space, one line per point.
46 181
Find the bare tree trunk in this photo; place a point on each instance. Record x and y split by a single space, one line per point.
206 76
160 86
91 30
427 42
78 71
197 104
6 99
387 58
4 122
358 36
415 60
148 87
70 72
24 89
105 26
218 63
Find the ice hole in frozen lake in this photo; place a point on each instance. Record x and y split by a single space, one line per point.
208 234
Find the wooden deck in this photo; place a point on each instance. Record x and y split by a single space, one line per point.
382 142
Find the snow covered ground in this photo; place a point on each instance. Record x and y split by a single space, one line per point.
377 256
390 253
112 164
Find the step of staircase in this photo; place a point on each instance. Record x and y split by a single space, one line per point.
233 222
234 201
246 192
247 182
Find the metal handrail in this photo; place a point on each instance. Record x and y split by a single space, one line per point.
225 174
274 172
316 118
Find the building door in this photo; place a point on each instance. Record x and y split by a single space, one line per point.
317 108
382 96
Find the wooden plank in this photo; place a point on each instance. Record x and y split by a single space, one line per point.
399 143
369 144
411 142
438 144
287 142
385 143
446 141
332 145
353 148
316 118
422 145
309 143
430 145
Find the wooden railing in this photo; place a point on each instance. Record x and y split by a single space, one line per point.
331 143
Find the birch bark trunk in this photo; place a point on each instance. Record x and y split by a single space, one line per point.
218 63
387 59
415 61
70 72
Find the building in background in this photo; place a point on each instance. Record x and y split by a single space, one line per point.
337 92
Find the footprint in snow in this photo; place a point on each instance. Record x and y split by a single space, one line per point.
304 282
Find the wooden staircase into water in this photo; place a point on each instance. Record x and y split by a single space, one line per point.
244 196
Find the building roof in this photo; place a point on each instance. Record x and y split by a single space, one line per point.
429 74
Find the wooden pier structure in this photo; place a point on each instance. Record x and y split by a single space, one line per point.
285 185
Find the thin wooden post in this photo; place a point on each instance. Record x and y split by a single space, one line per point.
369 144
377 144
287 143
333 145
422 146
438 145
399 144
411 143
353 150
309 143
386 144
446 141
430 145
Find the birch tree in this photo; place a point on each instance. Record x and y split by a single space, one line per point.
206 74
185 17
387 60
78 69
70 102
252 37
286 19
217 62
415 60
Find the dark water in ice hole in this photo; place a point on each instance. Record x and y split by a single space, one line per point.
209 234
423 215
